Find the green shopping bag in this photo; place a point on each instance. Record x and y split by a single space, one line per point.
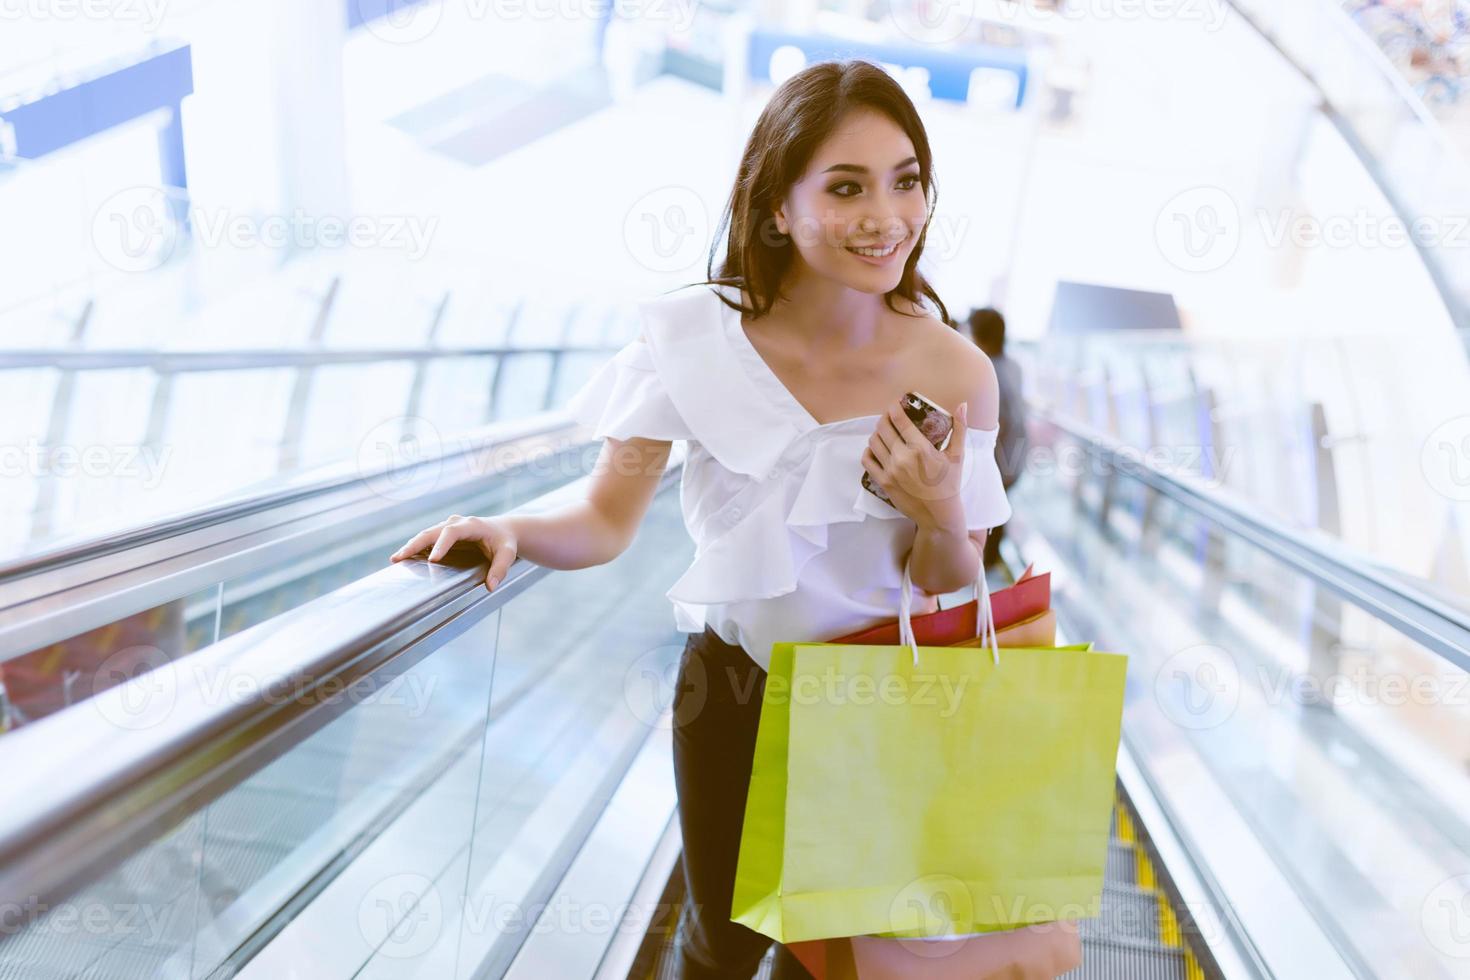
928 791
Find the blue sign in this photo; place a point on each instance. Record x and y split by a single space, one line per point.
45 123
949 68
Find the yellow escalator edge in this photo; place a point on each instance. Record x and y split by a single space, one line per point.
1168 923
1143 870
1125 826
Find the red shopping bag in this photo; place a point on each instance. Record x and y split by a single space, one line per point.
1036 952
1030 596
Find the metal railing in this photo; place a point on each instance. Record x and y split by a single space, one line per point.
128 783
1417 614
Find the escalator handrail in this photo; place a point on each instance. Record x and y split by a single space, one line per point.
84 789
1410 610
292 490
92 582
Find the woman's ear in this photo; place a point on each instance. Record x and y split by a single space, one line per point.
778 212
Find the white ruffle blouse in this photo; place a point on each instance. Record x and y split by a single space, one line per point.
789 546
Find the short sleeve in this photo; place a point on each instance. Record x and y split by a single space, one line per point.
981 488
625 399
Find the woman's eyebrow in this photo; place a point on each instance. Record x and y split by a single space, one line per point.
855 168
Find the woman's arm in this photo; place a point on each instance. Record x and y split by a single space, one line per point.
946 559
601 527
590 532
946 556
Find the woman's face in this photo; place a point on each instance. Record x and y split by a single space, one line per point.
860 194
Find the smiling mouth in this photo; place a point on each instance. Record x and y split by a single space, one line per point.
874 252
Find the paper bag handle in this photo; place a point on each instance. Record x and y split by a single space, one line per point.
985 622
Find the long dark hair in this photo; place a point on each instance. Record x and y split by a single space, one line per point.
801 114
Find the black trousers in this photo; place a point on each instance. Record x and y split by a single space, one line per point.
716 708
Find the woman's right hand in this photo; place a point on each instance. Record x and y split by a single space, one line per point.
494 537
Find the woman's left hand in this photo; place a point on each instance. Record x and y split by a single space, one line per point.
923 482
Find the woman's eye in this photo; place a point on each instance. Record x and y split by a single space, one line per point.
907 182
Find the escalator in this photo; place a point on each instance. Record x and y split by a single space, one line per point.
408 776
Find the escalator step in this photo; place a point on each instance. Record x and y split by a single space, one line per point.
1135 936
1102 960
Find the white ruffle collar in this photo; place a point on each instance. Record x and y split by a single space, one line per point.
808 474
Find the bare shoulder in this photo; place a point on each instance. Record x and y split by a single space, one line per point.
955 369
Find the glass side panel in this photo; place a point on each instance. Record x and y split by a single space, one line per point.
68 671
1343 744
406 832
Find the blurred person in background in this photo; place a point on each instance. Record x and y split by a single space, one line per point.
988 331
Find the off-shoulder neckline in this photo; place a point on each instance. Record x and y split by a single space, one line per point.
764 375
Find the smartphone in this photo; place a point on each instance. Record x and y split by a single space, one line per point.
936 424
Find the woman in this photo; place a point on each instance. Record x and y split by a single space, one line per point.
784 372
